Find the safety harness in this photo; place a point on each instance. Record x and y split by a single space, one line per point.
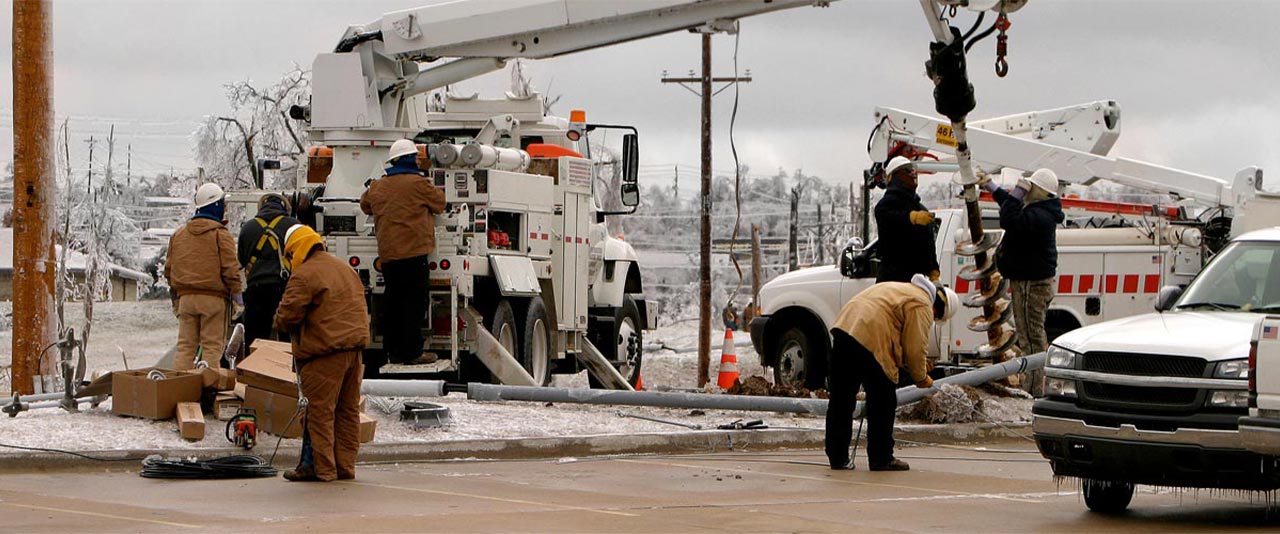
268 236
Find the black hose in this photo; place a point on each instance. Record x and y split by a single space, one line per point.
349 44
980 36
237 466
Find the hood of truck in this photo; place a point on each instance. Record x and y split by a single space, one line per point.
815 288
1212 335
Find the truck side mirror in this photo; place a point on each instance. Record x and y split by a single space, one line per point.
630 159
1167 296
630 195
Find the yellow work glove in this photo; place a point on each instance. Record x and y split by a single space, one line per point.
926 383
921 218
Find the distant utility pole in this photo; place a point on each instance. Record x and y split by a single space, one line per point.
704 268
34 191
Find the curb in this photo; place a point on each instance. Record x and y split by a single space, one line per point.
693 441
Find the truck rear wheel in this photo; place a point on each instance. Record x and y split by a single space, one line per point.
1106 497
502 325
535 346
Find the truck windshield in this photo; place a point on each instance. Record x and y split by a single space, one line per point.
1245 276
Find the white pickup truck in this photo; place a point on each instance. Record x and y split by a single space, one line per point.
1103 274
1156 399
1260 430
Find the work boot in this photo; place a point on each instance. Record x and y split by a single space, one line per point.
302 473
847 465
892 465
346 476
424 359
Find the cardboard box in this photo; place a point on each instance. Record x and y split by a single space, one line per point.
274 412
190 421
368 426
268 369
239 390
281 346
136 395
218 379
225 405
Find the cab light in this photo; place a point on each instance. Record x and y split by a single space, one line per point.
444 265
354 261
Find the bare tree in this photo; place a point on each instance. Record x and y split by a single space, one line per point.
229 145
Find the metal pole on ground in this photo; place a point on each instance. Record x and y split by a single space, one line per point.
33 191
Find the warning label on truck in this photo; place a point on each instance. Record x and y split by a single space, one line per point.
946 136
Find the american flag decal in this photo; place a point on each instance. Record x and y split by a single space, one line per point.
1269 332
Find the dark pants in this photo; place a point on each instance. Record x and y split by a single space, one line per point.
851 366
404 305
260 303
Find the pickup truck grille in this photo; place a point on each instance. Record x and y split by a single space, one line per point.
1171 397
1144 364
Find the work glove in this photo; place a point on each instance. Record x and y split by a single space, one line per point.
921 218
238 299
926 383
984 180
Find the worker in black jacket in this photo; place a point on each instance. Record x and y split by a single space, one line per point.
1028 255
906 227
259 250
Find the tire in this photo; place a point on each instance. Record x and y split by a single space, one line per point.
625 344
799 360
535 343
502 322
1106 497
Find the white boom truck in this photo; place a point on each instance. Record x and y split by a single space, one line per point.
526 281
1103 274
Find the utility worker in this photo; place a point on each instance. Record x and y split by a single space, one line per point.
260 251
324 312
204 278
1028 255
883 329
403 204
906 227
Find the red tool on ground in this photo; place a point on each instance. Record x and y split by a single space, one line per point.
242 429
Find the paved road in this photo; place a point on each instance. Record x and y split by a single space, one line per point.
948 490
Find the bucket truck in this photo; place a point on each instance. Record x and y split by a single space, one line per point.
1103 273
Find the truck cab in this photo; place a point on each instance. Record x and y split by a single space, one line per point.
1156 399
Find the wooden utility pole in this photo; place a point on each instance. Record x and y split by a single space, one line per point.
34 192
793 258
704 266
757 268
822 231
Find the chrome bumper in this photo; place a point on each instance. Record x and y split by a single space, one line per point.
1057 426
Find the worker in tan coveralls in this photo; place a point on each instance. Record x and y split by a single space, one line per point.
323 310
883 329
204 278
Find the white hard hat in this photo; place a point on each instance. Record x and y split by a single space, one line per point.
952 302
896 163
208 194
402 147
1045 179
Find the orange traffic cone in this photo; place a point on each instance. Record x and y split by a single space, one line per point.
728 362
639 381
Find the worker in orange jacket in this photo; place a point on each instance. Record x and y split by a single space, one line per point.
324 312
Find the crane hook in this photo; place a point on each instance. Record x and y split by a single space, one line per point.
1002 45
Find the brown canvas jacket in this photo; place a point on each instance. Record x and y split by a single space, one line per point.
323 308
202 260
892 320
403 208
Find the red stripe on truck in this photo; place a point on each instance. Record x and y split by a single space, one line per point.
1086 284
1151 284
1065 282
1131 283
962 286
1111 282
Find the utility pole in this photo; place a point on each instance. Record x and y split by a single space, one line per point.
793 258
34 191
822 230
757 268
704 267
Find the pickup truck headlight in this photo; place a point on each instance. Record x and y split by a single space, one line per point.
1060 357
1059 387
1229 399
1232 369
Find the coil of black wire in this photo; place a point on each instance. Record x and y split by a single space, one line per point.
237 466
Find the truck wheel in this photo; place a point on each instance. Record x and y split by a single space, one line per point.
626 346
503 326
1107 497
535 345
794 353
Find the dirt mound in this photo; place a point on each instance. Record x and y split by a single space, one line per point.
759 386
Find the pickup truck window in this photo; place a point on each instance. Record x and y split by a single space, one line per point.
1245 276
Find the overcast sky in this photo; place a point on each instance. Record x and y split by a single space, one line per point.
1197 84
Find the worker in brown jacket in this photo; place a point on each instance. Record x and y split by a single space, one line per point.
403 204
324 312
883 329
204 277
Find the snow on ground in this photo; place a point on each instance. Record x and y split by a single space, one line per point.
145 330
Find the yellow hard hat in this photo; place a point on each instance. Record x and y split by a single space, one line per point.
298 241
